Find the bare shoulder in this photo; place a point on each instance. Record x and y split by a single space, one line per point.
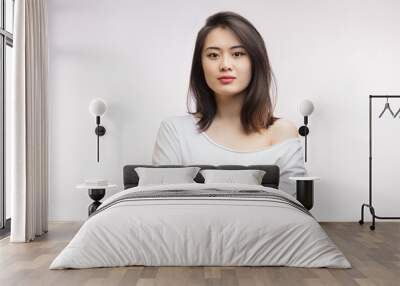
284 129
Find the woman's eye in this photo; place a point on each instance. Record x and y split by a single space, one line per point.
212 55
238 54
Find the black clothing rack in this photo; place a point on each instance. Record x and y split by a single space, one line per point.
371 208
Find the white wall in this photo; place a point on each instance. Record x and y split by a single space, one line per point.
137 56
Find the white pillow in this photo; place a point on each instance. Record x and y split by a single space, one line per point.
250 177
162 176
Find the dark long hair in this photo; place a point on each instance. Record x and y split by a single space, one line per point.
257 109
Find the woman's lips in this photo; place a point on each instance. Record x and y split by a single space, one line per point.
226 80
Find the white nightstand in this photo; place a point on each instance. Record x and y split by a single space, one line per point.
96 193
305 190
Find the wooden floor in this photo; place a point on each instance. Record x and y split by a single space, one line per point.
374 255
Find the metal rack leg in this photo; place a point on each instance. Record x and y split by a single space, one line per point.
361 221
374 216
372 210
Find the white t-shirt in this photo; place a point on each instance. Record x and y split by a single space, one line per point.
179 143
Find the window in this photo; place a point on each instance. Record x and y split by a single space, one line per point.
6 44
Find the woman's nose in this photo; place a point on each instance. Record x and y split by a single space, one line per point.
225 64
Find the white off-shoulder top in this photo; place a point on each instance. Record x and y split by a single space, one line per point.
179 142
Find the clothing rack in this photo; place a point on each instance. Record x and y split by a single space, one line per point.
370 206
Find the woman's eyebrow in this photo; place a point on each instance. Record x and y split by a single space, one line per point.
217 48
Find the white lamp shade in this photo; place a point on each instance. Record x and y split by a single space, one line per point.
306 107
97 107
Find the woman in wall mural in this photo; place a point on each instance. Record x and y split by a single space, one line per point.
230 84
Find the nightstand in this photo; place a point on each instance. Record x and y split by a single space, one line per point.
96 193
305 190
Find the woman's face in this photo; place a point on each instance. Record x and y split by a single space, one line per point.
224 56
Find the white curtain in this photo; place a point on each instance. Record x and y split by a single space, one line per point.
29 143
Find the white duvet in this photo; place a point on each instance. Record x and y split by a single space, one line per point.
200 231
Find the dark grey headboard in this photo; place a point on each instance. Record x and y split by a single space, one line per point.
270 179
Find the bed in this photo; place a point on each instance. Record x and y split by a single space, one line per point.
201 224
